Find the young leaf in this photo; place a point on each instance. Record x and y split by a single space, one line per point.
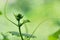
14 33
23 34
25 21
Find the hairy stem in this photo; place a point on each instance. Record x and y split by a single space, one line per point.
20 31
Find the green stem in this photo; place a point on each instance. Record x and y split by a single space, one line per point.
20 31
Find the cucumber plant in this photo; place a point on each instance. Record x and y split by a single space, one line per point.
18 17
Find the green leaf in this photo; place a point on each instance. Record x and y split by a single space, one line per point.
23 34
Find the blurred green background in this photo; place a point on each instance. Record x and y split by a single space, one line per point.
46 12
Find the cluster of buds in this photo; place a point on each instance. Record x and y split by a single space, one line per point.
18 17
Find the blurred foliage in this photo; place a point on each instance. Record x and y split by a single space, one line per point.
56 21
0 13
38 11
55 35
52 38
4 37
12 34
23 5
